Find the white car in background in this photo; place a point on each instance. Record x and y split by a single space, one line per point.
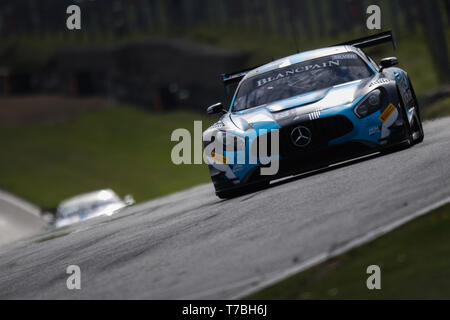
90 205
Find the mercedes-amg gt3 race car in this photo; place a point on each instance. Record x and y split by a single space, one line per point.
325 106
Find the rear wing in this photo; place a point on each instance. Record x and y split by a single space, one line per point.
231 78
372 41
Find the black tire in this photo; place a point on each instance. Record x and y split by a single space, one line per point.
417 127
225 195
240 191
409 133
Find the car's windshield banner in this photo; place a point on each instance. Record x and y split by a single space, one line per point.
347 59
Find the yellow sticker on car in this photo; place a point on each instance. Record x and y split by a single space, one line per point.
387 113
219 158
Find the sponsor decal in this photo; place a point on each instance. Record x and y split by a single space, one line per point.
344 56
387 113
379 81
374 130
219 158
293 71
218 125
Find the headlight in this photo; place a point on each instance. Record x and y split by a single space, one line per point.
369 105
231 142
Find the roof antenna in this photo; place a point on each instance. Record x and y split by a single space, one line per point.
293 30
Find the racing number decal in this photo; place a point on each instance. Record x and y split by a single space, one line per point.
387 113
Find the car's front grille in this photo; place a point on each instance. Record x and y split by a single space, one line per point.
322 131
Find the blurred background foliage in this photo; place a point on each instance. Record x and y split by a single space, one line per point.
32 30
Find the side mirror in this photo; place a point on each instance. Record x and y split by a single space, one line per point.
215 108
388 62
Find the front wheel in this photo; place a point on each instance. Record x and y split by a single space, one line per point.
417 128
243 190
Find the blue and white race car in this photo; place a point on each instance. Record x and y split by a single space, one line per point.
325 106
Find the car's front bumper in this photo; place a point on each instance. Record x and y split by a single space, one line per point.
337 135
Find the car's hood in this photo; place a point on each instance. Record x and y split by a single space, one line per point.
305 104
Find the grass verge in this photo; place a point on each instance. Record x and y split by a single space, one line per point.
124 148
414 261
439 109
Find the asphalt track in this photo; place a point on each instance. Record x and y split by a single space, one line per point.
193 245
18 219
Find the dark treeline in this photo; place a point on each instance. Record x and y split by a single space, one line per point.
303 19
309 18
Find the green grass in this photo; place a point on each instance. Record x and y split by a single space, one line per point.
414 262
439 109
124 148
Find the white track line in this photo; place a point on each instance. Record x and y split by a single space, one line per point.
327 255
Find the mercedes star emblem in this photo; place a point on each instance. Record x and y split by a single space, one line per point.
301 136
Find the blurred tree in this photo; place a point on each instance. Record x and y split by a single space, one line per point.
301 11
436 37
337 18
176 14
407 7
119 18
447 9
357 11
319 14
394 9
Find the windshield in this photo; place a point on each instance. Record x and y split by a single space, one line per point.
300 78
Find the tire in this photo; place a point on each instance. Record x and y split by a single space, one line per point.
417 127
409 133
240 191
225 195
